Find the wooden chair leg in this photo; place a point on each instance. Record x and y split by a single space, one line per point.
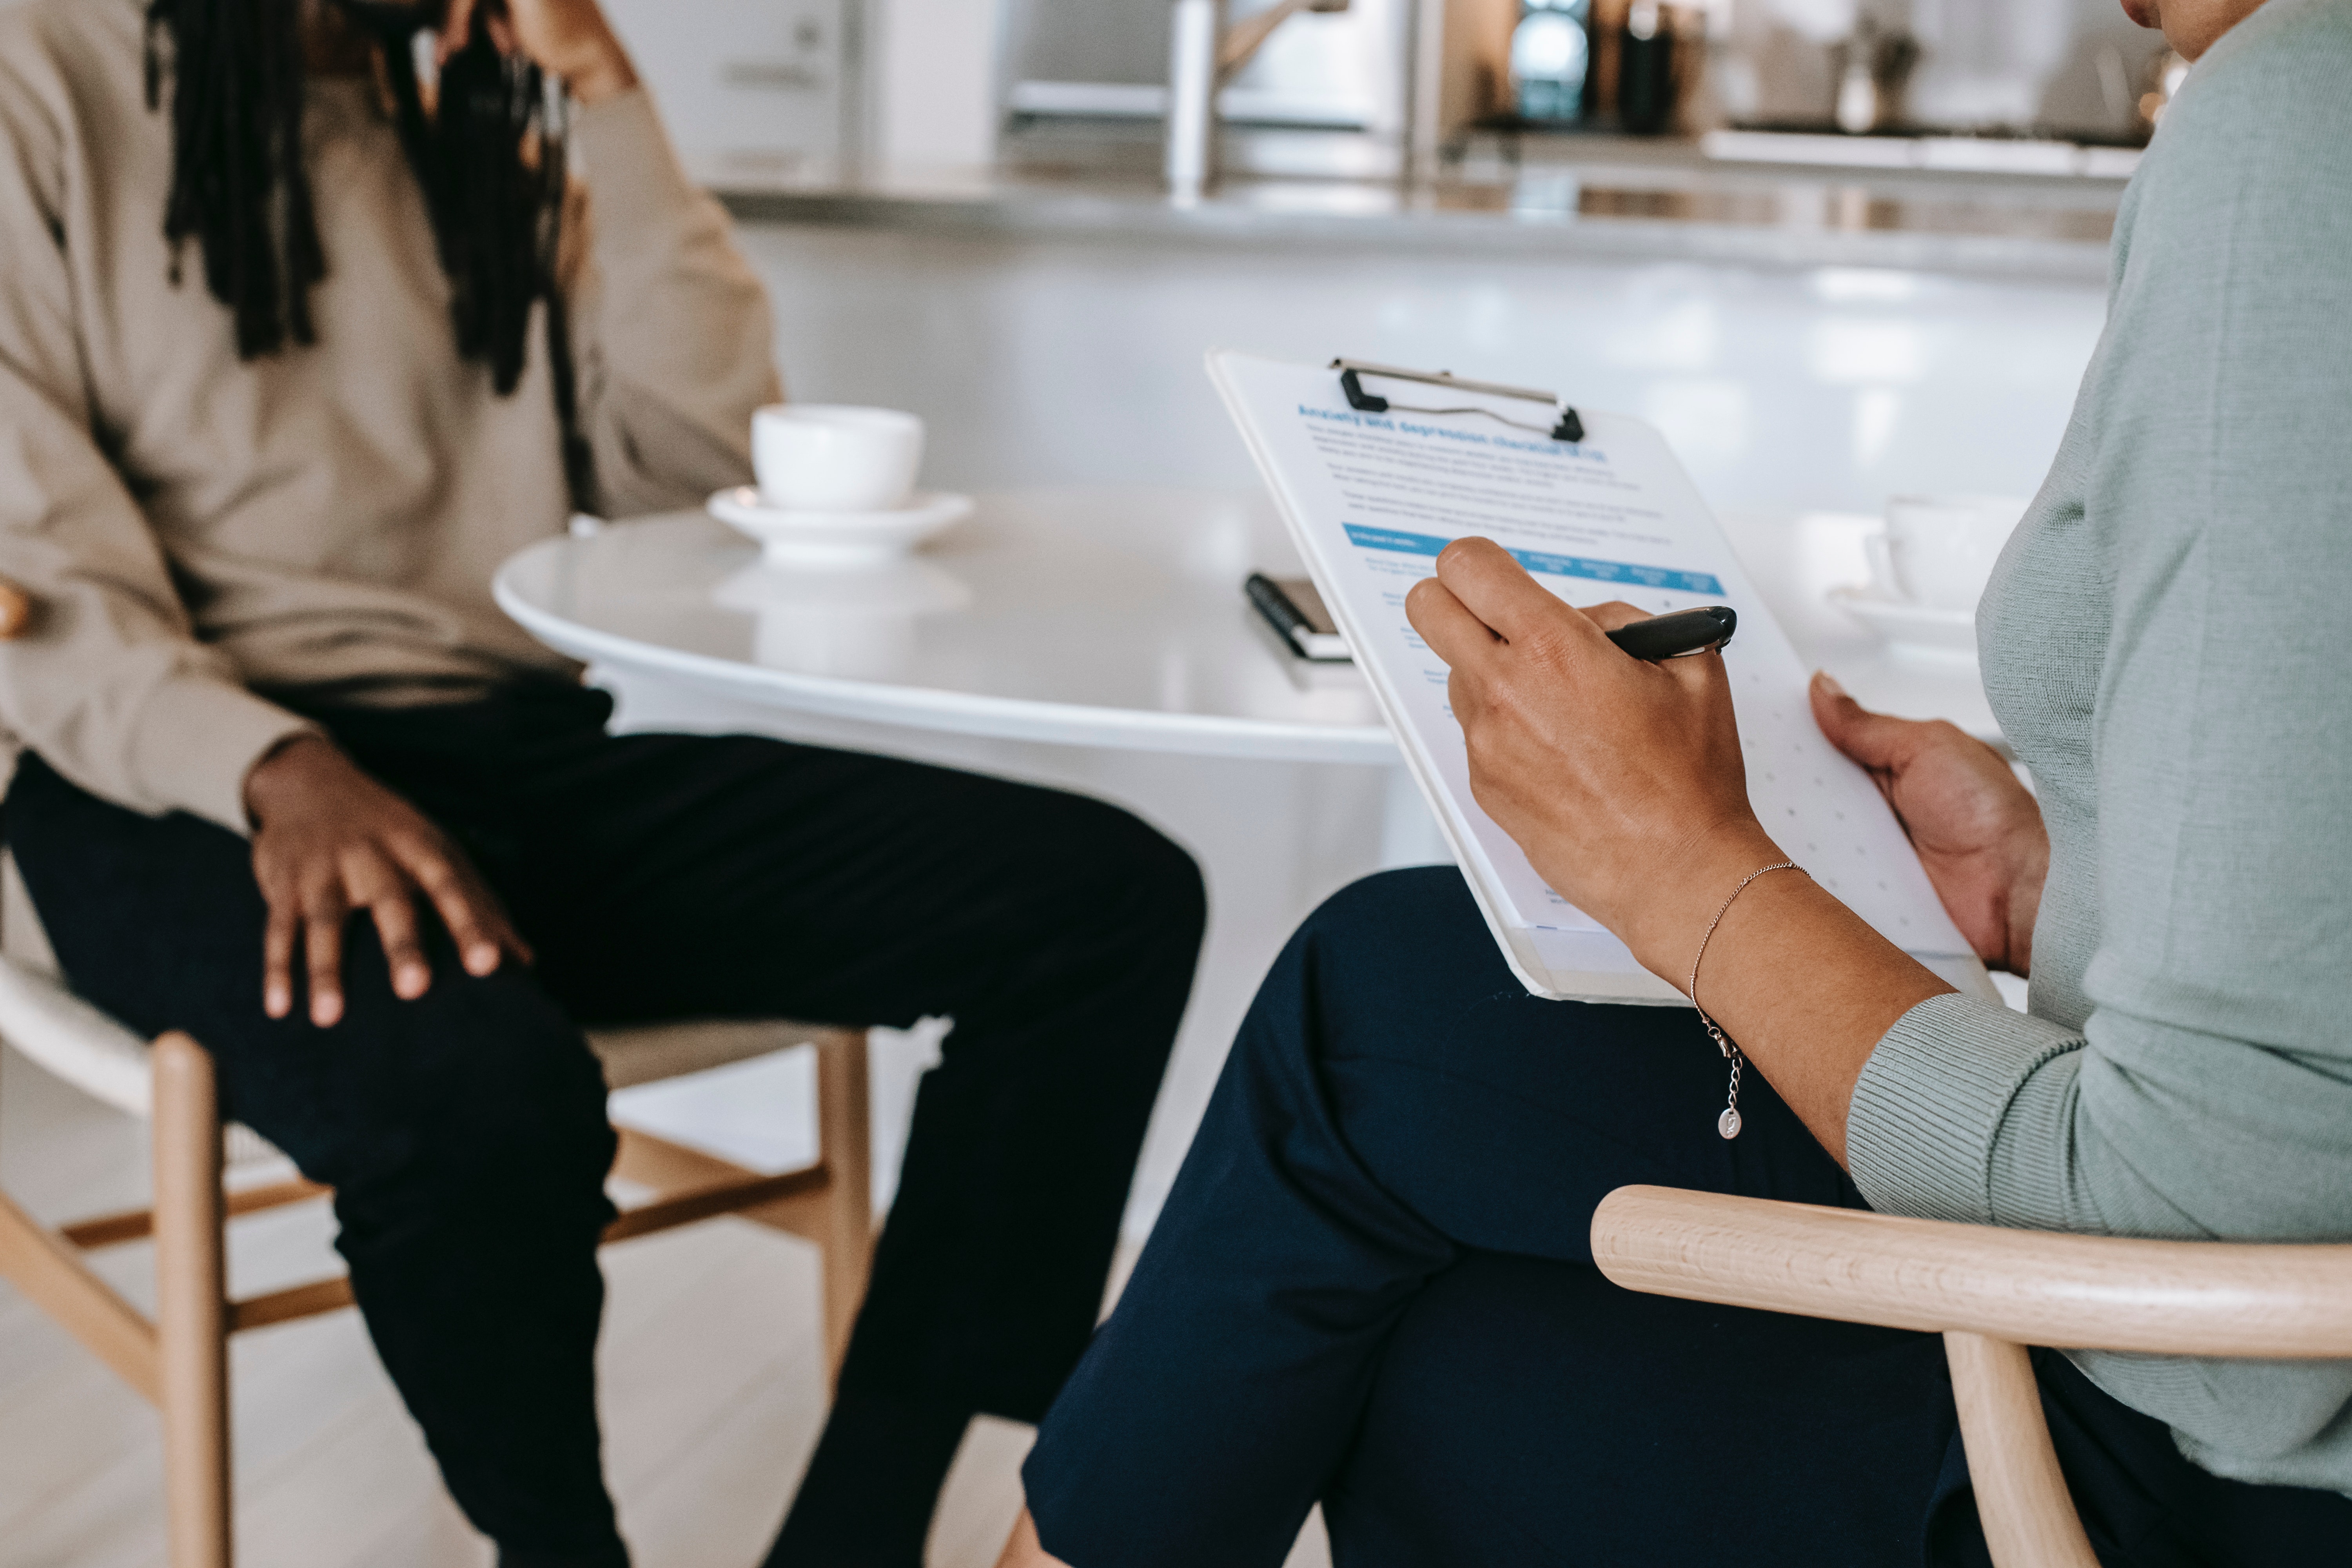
191 1290
53 1277
845 1138
2028 1515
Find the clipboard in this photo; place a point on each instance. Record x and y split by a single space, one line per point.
1372 487
1565 426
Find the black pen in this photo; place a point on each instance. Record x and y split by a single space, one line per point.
1686 631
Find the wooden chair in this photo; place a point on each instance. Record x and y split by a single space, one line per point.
179 1361
1991 1293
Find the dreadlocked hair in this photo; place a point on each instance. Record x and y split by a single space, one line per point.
238 187
488 151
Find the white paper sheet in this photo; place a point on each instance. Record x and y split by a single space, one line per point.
1371 498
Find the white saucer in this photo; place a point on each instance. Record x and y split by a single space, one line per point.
837 539
1921 632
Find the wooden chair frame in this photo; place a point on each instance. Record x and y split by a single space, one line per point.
179 1361
1991 1293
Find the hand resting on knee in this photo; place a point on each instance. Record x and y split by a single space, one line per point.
327 840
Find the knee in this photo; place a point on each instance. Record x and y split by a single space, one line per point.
1170 883
1402 914
1394 946
493 1091
1135 876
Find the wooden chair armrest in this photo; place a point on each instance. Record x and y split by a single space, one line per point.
2173 1297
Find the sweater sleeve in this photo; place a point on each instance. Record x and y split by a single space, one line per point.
673 331
108 685
2208 1091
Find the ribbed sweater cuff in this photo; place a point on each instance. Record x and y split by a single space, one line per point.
198 737
643 195
1931 1100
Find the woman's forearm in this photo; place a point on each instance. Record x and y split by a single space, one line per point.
1807 990
1799 981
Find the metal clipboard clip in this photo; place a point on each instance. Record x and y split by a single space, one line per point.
1565 426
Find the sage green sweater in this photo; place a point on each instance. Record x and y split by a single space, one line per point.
2167 645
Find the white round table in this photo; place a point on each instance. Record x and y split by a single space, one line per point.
1099 639
1081 617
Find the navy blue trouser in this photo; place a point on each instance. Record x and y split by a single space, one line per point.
1373 1287
665 877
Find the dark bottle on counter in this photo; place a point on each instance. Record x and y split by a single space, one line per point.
1645 70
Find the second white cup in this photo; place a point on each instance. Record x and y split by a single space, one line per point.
827 457
1938 551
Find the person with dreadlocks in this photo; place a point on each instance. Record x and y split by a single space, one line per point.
310 312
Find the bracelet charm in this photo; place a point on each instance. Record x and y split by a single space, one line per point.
1727 1123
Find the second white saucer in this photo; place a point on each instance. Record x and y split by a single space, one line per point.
1920 632
837 539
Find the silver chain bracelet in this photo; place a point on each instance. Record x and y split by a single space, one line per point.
1729 1122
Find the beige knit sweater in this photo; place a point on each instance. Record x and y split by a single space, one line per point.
197 530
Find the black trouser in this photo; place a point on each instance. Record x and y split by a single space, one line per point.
1373 1285
664 877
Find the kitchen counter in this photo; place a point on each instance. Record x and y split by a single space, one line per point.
1610 199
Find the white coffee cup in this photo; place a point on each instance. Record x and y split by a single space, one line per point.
1938 551
824 457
